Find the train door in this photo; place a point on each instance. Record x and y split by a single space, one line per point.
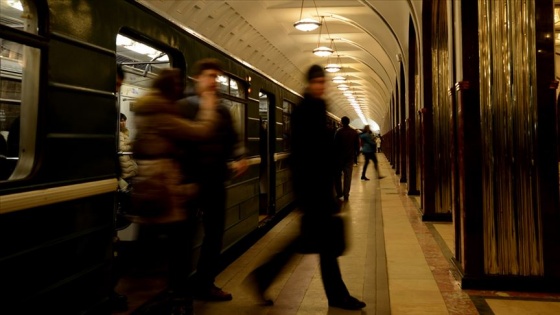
265 188
140 63
557 62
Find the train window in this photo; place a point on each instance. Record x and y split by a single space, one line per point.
263 106
237 110
231 86
236 88
18 14
141 63
19 81
233 92
223 84
140 56
286 128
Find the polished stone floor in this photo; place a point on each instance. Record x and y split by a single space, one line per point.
396 263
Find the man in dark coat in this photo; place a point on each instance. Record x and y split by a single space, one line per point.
314 193
207 163
346 144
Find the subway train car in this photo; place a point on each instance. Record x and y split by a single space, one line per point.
59 122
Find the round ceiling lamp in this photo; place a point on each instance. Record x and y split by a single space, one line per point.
307 25
323 51
339 79
333 67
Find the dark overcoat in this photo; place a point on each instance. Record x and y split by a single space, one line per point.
312 164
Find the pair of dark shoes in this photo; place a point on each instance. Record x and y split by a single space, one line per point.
348 303
364 178
213 293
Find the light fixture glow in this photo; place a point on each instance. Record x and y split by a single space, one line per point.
323 51
339 79
140 48
343 87
16 4
333 67
307 25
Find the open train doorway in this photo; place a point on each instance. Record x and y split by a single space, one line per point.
264 173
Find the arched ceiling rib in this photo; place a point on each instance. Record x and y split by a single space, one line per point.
367 35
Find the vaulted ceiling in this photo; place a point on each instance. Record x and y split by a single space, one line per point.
369 37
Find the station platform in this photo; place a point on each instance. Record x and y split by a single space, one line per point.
395 263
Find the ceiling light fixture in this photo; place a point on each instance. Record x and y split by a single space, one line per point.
333 67
339 79
306 24
323 51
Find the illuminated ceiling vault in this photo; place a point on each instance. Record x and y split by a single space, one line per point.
369 38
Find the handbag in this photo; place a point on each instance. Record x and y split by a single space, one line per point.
323 235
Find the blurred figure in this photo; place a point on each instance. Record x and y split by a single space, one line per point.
346 144
313 188
207 162
378 143
368 150
159 128
128 165
118 301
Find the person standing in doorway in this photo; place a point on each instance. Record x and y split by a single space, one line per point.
209 163
368 150
346 144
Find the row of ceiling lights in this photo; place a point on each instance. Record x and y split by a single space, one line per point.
309 24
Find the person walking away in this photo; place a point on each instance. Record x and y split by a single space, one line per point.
160 127
346 144
312 182
208 163
378 143
368 150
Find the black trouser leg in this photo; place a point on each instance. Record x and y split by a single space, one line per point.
366 157
213 216
332 278
348 168
338 182
180 257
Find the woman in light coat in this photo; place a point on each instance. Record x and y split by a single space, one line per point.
160 192
160 128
